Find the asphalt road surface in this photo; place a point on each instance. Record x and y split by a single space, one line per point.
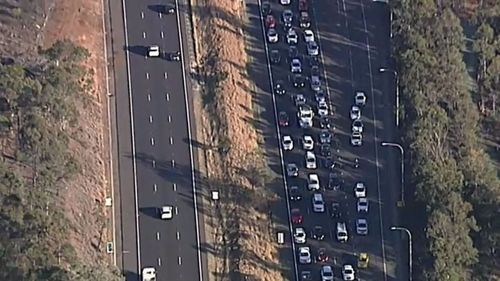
161 137
353 36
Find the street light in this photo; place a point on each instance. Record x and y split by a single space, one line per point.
382 70
410 253
402 167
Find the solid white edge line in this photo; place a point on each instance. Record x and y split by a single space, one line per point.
278 135
110 137
134 164
377 164
193 180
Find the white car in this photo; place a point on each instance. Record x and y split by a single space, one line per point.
296 66
299 235
166 212
287 142
360 98
285 2
148 274
322 108
304 255
357 126
292 37
310 160
363 205
292 170
356 139
272 35
308 35
318 203
312 48
315 83
348 272
307 142
355 112
313 182
154 51
362 226
360 190
342 235
326 273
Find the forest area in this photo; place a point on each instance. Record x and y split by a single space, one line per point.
451 131
38 116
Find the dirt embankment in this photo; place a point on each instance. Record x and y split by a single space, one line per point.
238 229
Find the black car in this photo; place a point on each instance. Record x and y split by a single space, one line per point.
322 255
266 9
334 181
315 71
167 10
293 52
327 163
336 211
298 81
295 193
275 57
279 88
325 150
304 20
325 122
305 275
318 233
174 56
325 136
313 61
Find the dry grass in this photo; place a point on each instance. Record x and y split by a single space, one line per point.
240 222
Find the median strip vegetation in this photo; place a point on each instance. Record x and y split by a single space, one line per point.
239 228
457 189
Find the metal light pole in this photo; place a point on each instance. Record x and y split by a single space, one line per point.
402 167
410 252
396 76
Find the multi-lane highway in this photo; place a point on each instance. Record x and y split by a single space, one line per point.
161 156
353 36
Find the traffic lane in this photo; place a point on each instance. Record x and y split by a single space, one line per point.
378 19
366 151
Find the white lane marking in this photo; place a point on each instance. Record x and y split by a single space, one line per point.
150 119
191 160
175 187
142 15
178 236
152 141
159 14
157 236
179 260
171 140
167 96
153 163
165 75
155 187
149 97
134 162
159 262
173 163
143 34
278 136
161 34
169 119
176 210
147 75
375 143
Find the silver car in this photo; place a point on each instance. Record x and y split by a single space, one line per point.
312 48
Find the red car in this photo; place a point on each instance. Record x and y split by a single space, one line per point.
297 217
322 256
283 119
270 21
302 5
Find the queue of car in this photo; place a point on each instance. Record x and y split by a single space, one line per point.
313 106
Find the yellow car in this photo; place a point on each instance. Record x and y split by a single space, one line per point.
363 260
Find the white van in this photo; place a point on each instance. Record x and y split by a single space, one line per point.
342 235
318 203
313 182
